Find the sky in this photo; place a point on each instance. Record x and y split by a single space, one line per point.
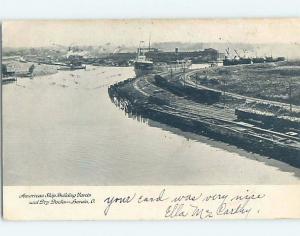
38 33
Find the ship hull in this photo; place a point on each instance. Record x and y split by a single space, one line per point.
141 72
8 80
72 68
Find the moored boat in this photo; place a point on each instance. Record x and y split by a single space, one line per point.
72 67
143 65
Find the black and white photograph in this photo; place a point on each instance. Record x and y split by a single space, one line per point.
151 102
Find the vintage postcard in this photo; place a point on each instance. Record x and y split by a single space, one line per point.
164 119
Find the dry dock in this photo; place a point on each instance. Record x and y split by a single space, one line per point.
175 101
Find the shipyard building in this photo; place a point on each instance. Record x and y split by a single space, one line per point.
206 55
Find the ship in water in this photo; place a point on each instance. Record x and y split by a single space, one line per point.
144 65
238 60
73 62
77 66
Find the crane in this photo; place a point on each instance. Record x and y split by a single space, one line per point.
237 53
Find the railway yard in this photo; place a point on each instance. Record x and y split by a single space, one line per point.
181 101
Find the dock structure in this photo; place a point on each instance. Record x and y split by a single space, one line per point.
184 105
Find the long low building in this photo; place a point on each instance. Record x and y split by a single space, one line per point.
206 55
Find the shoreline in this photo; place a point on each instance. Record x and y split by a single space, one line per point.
145 97
21 70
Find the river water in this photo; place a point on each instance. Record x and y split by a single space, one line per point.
62 129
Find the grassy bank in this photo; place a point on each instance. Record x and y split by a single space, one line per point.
23 67
270 81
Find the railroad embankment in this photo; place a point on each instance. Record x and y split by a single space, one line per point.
174 100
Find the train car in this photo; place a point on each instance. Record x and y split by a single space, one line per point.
268 119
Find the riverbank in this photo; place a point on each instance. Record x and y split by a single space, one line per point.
172 101
270 81
66 124
21 68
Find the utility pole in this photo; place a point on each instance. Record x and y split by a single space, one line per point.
184 73
224 90
290 95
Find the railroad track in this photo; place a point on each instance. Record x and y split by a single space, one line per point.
188 105
191 83
233 126
193 110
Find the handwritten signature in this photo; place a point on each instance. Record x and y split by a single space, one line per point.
201 206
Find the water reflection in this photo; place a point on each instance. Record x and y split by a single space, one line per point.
64 129
123 105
